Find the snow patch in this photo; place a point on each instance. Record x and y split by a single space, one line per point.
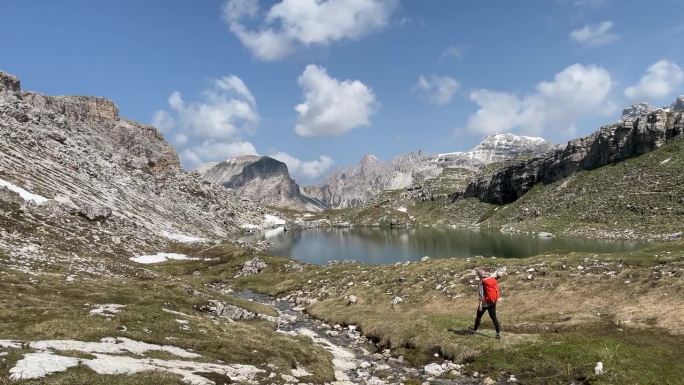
402 209
10 344
183 238
159 257
25 195
110 345
38 365
106 309
273 221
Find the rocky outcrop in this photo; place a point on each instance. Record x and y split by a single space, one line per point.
263 179
357 185
636 110
611 143
87 160
678 105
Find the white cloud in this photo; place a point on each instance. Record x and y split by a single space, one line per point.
438 90
292 23
163 121
595 35
576 92
332 107
214 151
660 80
302 170
452 52
209 129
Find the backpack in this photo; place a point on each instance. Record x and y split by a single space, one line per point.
491 289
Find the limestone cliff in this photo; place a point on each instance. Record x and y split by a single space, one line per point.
263 179
634 135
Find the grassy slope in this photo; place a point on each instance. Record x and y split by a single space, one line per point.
642 197
48 307
558 322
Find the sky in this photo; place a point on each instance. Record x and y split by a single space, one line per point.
320 83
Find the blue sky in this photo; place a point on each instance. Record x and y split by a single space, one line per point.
321 83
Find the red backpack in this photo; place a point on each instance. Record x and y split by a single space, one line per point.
491 289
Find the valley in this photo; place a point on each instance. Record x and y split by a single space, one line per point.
119 267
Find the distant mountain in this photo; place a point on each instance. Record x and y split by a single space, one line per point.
353 186
263 179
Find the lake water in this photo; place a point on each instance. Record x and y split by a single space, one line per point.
385 246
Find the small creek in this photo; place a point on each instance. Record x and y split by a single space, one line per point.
356 359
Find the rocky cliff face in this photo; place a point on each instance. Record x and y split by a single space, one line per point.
633 135
104 182
355 186
263 179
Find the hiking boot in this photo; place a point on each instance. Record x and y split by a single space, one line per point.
472 330
498 336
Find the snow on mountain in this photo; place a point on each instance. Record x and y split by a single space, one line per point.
353 186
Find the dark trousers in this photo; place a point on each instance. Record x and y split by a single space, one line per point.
491 309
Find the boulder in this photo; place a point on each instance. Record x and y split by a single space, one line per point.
93 212
251 267
9 82
9 196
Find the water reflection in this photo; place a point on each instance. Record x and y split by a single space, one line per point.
383 246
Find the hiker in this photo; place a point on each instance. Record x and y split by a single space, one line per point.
489 295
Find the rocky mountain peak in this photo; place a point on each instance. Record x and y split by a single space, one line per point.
369 158
636 110
262 179
9 81
678 105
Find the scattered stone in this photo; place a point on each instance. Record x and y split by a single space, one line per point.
397 300
433 369
488 381
545 235
93 212
351 299
598 369
251 267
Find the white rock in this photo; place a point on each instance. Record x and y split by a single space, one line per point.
433 370
598 369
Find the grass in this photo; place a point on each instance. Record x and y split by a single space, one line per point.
51 308
557 324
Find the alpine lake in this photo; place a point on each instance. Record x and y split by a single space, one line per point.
372 245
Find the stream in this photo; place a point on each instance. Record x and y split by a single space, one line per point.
356 360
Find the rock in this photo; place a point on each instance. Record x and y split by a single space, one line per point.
433 369
9 196
545 235
93 212
397 300
610 144
227 311
636 110
251 267
488 381
9 82
355 186
512 379
263 179
598 369
425 259
678 105
351 299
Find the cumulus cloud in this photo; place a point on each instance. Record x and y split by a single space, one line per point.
292 23
437 90
576 92
660 80
594 35
215 151
332 107
209 129
305 170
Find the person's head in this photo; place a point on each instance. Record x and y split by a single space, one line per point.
482 273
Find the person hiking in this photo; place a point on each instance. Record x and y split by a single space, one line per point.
489 295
